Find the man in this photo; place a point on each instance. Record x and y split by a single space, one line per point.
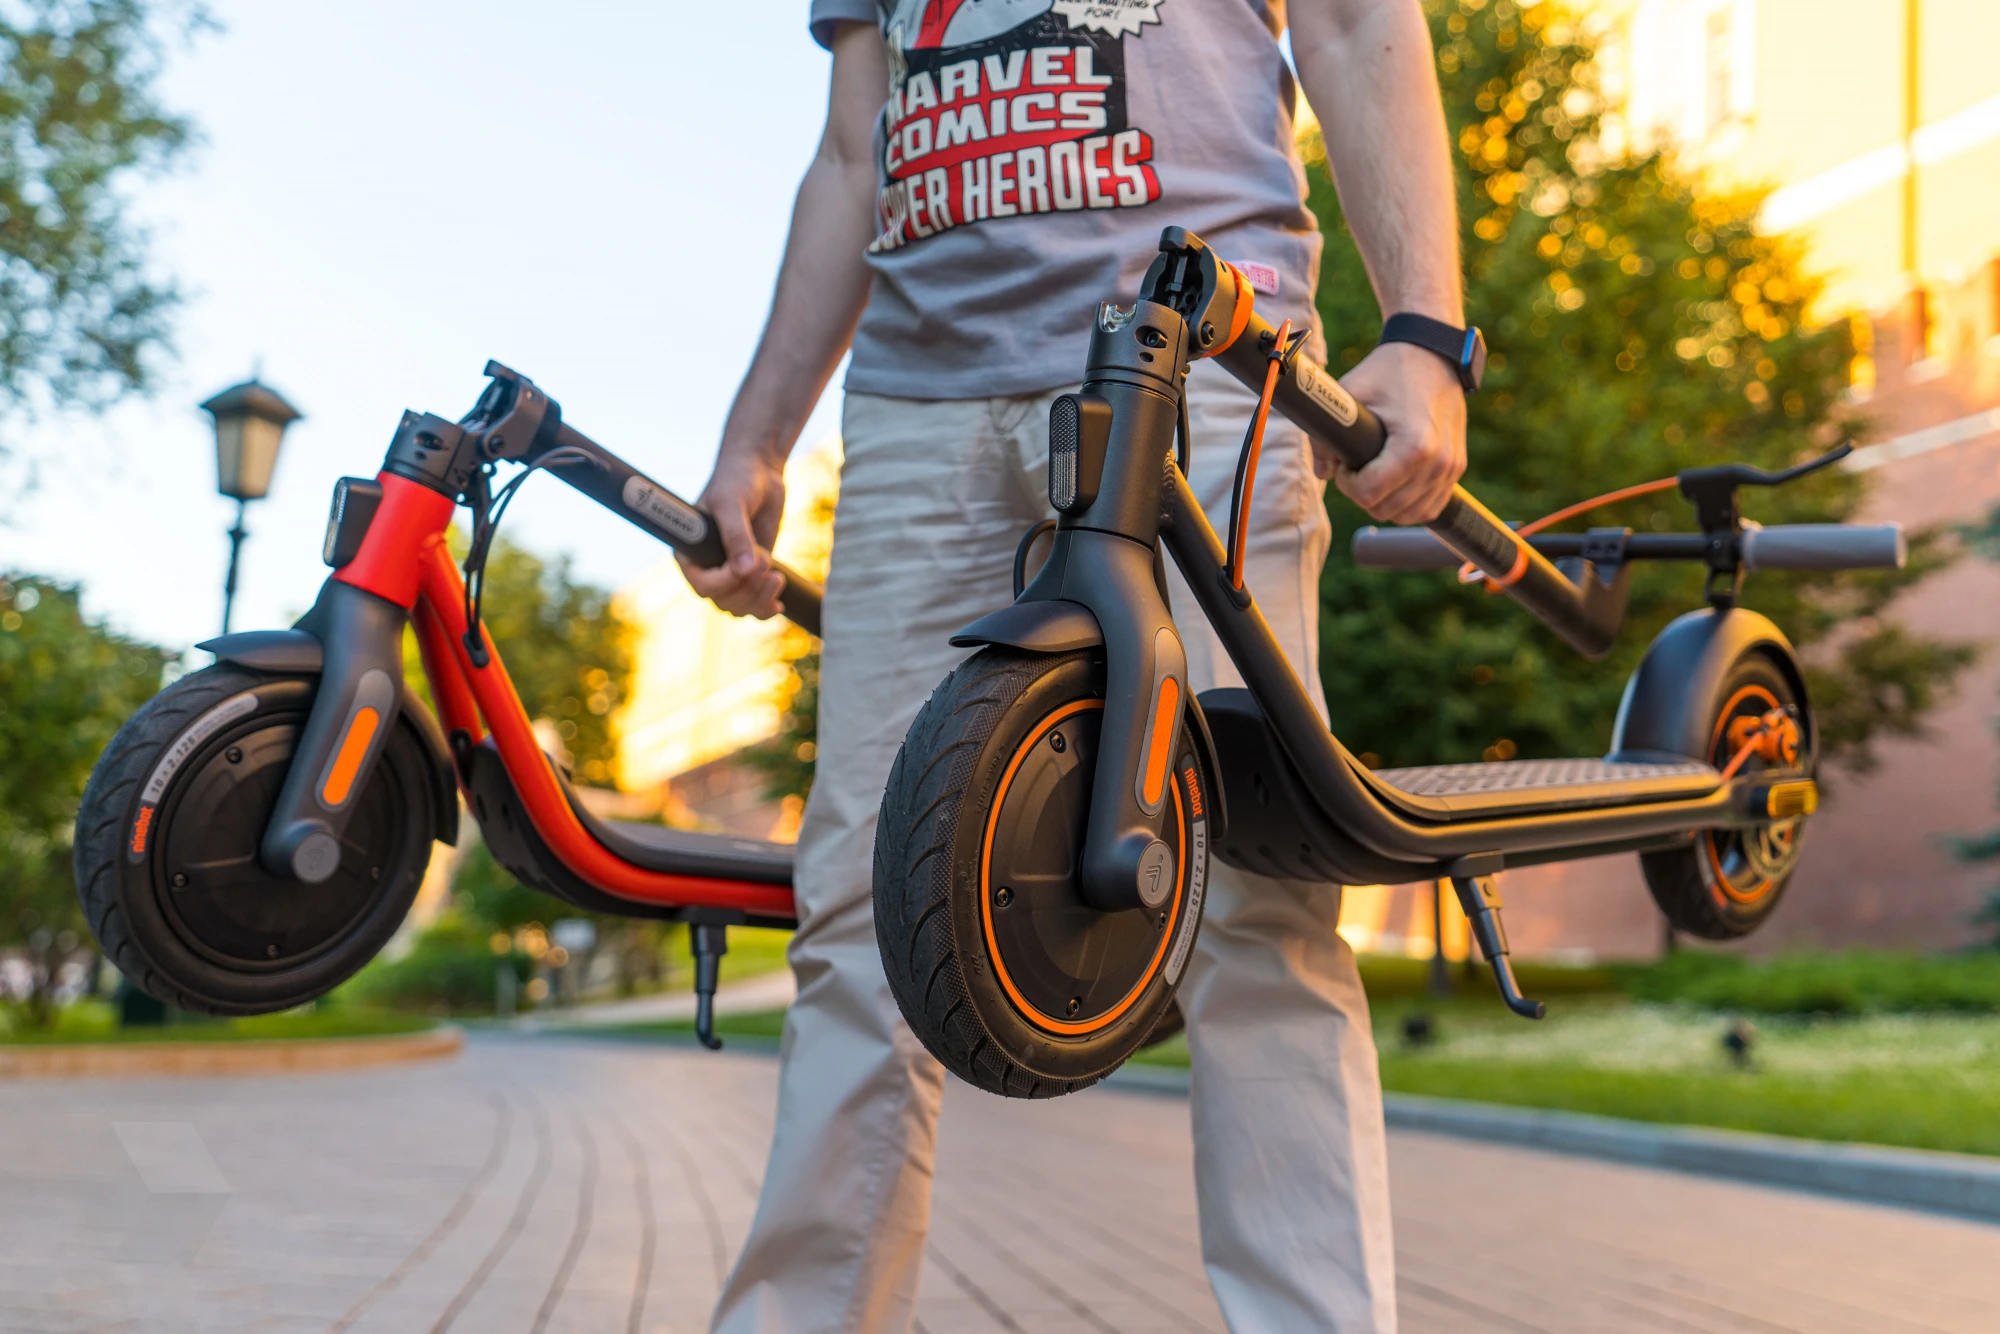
956 240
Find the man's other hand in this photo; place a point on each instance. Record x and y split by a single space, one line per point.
1420 404
746 497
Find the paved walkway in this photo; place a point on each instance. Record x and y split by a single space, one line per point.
767 991
567 1184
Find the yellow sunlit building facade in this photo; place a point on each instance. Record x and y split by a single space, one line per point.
706 684
1874 123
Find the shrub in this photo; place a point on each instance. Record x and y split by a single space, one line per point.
450 970
1853 982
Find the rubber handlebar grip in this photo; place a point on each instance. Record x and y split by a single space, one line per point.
1402 549
1825 546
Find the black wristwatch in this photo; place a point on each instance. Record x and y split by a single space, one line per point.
1465 349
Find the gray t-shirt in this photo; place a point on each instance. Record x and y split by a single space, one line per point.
1031 151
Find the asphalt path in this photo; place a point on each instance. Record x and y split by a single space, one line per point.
546 1183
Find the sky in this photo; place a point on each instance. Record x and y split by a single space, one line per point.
388 194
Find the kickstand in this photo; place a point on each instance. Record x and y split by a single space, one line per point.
1480 898
709 943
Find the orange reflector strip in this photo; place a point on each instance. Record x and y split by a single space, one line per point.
1163 740
348 763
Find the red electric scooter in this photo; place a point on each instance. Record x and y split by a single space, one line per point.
259 829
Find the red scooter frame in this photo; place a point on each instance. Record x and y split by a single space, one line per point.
392 568
404 560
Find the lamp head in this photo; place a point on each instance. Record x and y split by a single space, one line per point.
250 422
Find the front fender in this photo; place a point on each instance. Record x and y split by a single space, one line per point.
299 653
1670 703
1045 626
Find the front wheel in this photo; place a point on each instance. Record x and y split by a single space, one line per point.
1001 968
166 850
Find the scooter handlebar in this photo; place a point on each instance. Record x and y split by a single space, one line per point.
1825 546
1803 546
799 598
1402 549
1314 401
690 531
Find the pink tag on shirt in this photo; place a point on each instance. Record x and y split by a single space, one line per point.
1262 276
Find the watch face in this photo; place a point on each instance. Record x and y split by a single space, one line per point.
1472 367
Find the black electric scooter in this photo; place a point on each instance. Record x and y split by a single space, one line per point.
1044 840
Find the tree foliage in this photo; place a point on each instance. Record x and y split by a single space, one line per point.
787 757
82 315
66 685
1639 326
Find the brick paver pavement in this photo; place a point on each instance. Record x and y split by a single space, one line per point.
555 1184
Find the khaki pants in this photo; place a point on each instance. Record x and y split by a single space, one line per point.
1289 1157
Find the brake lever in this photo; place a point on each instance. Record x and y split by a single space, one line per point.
1712 490
1742 474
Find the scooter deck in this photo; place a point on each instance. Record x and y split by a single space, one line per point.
519 847
1522 786
690 852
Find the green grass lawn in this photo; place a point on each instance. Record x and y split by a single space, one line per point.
1919 1081
1927 1081
97 1021
753 951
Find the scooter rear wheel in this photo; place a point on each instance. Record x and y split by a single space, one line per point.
1728 882
1003 971
166 850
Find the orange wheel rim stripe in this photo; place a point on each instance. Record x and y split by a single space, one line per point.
1035 1016
348 762
1726 893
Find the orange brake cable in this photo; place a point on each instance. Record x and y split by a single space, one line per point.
1469 574
1246 463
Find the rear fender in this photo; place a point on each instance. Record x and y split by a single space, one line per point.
1671 701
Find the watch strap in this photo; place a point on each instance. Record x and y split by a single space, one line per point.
1463 349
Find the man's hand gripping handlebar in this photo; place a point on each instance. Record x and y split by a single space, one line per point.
1218 306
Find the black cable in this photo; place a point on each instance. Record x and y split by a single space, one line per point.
1021 554
487 511
1184 434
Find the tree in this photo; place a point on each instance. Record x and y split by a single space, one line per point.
787 758
66 685
82 317
1639 326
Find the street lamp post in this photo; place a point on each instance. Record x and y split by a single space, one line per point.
250 421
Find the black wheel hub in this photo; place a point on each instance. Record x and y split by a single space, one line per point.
1748 861
1068 964
205 871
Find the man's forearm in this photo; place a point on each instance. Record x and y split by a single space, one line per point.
1368 69
823 282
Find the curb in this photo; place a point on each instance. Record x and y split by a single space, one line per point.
248 1056
1963 1184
